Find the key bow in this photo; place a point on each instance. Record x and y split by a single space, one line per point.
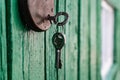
55 18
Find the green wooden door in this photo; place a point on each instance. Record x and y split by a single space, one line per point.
30 55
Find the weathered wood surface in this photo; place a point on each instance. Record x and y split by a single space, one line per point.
98 40
3 45
32 54
117 44
25 48
117 38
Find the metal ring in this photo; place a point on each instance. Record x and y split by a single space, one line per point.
59 14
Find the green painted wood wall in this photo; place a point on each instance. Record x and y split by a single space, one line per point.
29 55
3 45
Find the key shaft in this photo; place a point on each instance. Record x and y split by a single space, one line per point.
58 59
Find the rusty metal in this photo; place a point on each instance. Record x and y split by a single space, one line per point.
34 13
55 18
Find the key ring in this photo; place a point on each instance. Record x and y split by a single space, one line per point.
55 18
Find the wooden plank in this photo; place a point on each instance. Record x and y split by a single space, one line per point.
93 40
26 48
61 72
117 43
84 41
36 56
98 36
51 72
71 47
3 49
79 37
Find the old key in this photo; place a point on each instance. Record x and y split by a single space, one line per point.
58 42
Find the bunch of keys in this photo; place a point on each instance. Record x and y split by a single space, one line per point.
58 38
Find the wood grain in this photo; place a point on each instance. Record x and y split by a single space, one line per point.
3 45
25 48
117 44
61 8
71 49
31 55
85 41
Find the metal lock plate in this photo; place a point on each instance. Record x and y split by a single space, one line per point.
34 13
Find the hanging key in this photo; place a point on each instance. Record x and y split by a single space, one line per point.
58 42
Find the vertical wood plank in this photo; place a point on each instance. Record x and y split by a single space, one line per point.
0 40
36 56
84 41
93 40
117 42
98 36
51 72
61 72
26 48
71 47
79 38
3 53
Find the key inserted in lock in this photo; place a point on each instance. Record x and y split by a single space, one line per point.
38 14
55 18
